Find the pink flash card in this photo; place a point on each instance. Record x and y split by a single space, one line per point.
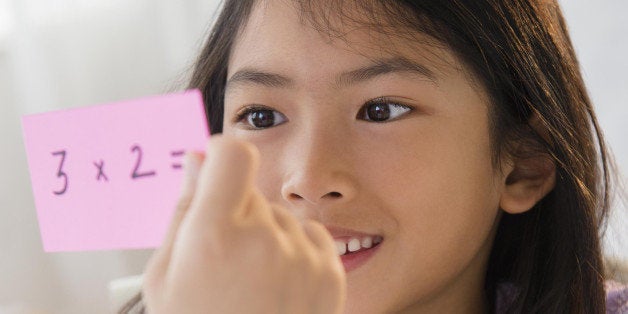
108 177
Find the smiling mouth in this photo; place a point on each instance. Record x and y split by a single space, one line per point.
352 245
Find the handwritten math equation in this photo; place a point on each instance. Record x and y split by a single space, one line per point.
135 172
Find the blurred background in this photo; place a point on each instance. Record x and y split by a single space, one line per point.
58 54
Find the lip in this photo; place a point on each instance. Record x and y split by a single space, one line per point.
352 261
343 233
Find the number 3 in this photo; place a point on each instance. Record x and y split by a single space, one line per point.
60 173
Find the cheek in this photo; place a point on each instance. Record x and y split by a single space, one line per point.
441 190
432 178
439 163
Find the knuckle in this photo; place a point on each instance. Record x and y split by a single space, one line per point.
260 242
303 260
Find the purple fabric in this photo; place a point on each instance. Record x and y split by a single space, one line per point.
616 297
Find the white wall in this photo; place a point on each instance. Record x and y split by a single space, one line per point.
62 53
599 32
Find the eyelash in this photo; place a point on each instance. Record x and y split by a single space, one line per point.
384 101
245 112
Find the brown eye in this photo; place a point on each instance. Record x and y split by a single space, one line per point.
378 112
381 110
261 118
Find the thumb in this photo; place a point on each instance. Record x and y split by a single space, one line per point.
225 181
191 166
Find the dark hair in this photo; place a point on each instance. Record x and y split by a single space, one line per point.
521 53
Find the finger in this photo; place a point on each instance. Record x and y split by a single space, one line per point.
320 237
334 277
285 220
225 182
257 209
191 165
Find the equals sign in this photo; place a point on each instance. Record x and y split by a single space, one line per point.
177 153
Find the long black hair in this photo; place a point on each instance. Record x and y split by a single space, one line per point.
521 53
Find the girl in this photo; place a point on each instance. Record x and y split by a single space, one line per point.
447 151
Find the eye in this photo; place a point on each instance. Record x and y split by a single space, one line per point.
260 117
382 110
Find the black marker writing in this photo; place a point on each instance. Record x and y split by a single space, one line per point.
101 172
136 174
177 153
60 172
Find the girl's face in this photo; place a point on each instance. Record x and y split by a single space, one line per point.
372 136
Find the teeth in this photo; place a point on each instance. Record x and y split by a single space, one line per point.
341 247
367 242
355 244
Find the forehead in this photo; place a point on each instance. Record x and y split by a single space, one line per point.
282 34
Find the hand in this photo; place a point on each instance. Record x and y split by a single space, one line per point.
229 251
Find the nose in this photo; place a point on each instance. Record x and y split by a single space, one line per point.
319 169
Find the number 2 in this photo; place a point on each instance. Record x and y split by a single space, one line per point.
60 173
136 174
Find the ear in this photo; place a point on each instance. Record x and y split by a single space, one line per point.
528 179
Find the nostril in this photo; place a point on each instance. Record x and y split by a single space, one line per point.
295 196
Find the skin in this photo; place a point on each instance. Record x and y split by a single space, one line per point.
423 180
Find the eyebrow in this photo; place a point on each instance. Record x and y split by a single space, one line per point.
253 76
386 66
377 68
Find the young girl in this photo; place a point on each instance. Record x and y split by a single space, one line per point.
389 156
